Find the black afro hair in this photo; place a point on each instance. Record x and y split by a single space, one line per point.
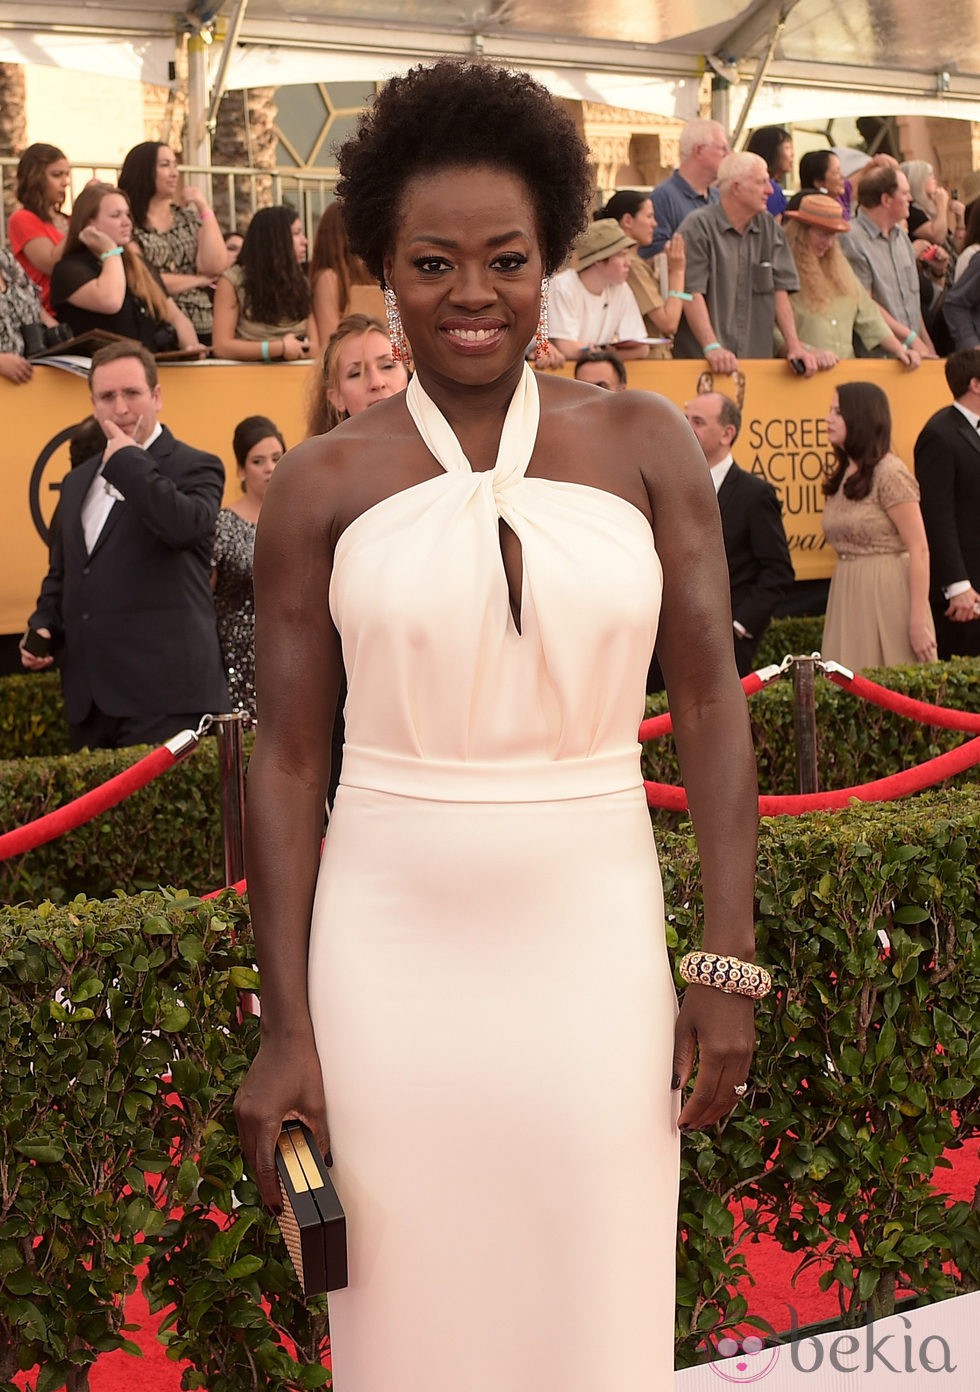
463 113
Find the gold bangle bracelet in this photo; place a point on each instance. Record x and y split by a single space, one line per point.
726 973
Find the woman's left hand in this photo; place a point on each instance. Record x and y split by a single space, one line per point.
720 1028
193 195
923 641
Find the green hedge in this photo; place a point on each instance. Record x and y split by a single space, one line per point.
856 741
170 833
167 833
32 716
867 1069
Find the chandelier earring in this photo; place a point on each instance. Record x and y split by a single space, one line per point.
400 351
542 347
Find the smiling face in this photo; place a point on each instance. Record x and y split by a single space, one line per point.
833 179
57 177
167 176
365 373
466 268
260 463
114 218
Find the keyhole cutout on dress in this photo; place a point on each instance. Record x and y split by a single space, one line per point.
512 559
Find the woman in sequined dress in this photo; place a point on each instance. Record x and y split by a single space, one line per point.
258 446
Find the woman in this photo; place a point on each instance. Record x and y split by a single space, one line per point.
333 272
258 447
19 305
820 170
831 305
484 992
634 213
775 145
357 371
102 281
36 231
262 303
933 216
181 240
878 607
971 240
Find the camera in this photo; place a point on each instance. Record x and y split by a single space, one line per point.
37 337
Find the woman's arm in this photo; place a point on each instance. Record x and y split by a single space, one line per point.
186 332
667 318
104 293
326 304
298 667
212 254
224 344
714 744
907 518
175 284
44 254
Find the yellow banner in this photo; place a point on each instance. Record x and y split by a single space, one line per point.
783 438
784 435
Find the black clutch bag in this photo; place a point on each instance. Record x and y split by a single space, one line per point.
312 1221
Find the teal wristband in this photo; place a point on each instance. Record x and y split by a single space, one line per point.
679 295
909 338
116 251
710 348
265 351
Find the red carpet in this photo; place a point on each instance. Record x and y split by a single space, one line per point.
769 1297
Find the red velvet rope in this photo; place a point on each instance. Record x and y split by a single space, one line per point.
896 785
89 805
922 711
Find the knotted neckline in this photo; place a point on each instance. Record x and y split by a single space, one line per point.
516 439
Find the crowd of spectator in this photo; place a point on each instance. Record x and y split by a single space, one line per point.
717 263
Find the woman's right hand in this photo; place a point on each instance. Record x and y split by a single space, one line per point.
284 1081
294 348
15 368
676 253
96 241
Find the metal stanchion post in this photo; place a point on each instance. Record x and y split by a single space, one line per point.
228 728
805 725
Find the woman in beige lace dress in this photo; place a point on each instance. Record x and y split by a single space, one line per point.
878 607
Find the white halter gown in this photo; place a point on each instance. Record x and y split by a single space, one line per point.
489 983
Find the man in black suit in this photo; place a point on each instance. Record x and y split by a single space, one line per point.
947 465
760 571
127 600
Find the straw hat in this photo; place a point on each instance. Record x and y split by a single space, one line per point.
820 210
599 241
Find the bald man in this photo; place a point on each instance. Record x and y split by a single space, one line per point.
760 571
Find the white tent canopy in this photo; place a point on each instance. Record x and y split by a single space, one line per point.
849 59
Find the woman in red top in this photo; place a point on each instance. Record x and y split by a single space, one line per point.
37 229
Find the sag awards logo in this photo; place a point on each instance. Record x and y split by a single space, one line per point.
856 1351
40 503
